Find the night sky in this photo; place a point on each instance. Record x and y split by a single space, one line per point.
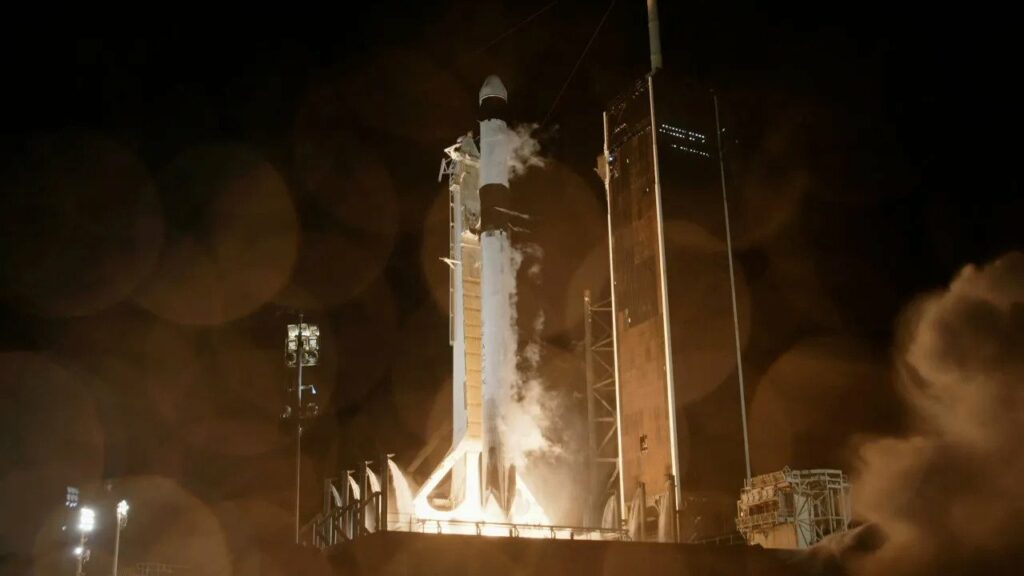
171 199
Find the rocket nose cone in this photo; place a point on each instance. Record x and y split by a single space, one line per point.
493 87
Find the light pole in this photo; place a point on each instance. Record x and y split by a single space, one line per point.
301 348
122 519
86 523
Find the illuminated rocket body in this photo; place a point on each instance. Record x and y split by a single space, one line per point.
497 285
484 485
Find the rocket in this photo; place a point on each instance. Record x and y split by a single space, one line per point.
497 283
484 485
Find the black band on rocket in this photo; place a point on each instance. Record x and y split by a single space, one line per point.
493 108
492 197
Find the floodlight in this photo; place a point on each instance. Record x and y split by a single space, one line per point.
86 520
301 349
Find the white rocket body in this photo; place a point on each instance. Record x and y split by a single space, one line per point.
484 483
497 281
494 149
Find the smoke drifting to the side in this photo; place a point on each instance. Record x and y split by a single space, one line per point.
524 149
950 498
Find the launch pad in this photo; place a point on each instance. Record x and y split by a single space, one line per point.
410 554
371 503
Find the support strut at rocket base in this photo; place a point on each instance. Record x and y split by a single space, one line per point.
484 483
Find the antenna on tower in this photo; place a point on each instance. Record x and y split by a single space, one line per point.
655 33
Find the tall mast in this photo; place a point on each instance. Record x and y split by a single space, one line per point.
655 33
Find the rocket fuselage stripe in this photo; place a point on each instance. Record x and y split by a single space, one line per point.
495 202
493 108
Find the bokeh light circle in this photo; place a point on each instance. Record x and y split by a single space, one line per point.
232 235
82 224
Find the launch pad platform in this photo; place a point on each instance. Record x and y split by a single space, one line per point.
411 554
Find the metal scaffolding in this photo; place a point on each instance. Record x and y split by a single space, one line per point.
602 410
356 504
793 508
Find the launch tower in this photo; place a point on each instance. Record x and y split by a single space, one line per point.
665 177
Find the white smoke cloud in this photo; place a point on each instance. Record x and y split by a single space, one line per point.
527 413
524 149
950 498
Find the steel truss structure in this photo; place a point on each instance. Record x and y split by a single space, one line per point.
793 508
602 407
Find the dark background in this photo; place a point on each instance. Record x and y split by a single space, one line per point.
172 195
